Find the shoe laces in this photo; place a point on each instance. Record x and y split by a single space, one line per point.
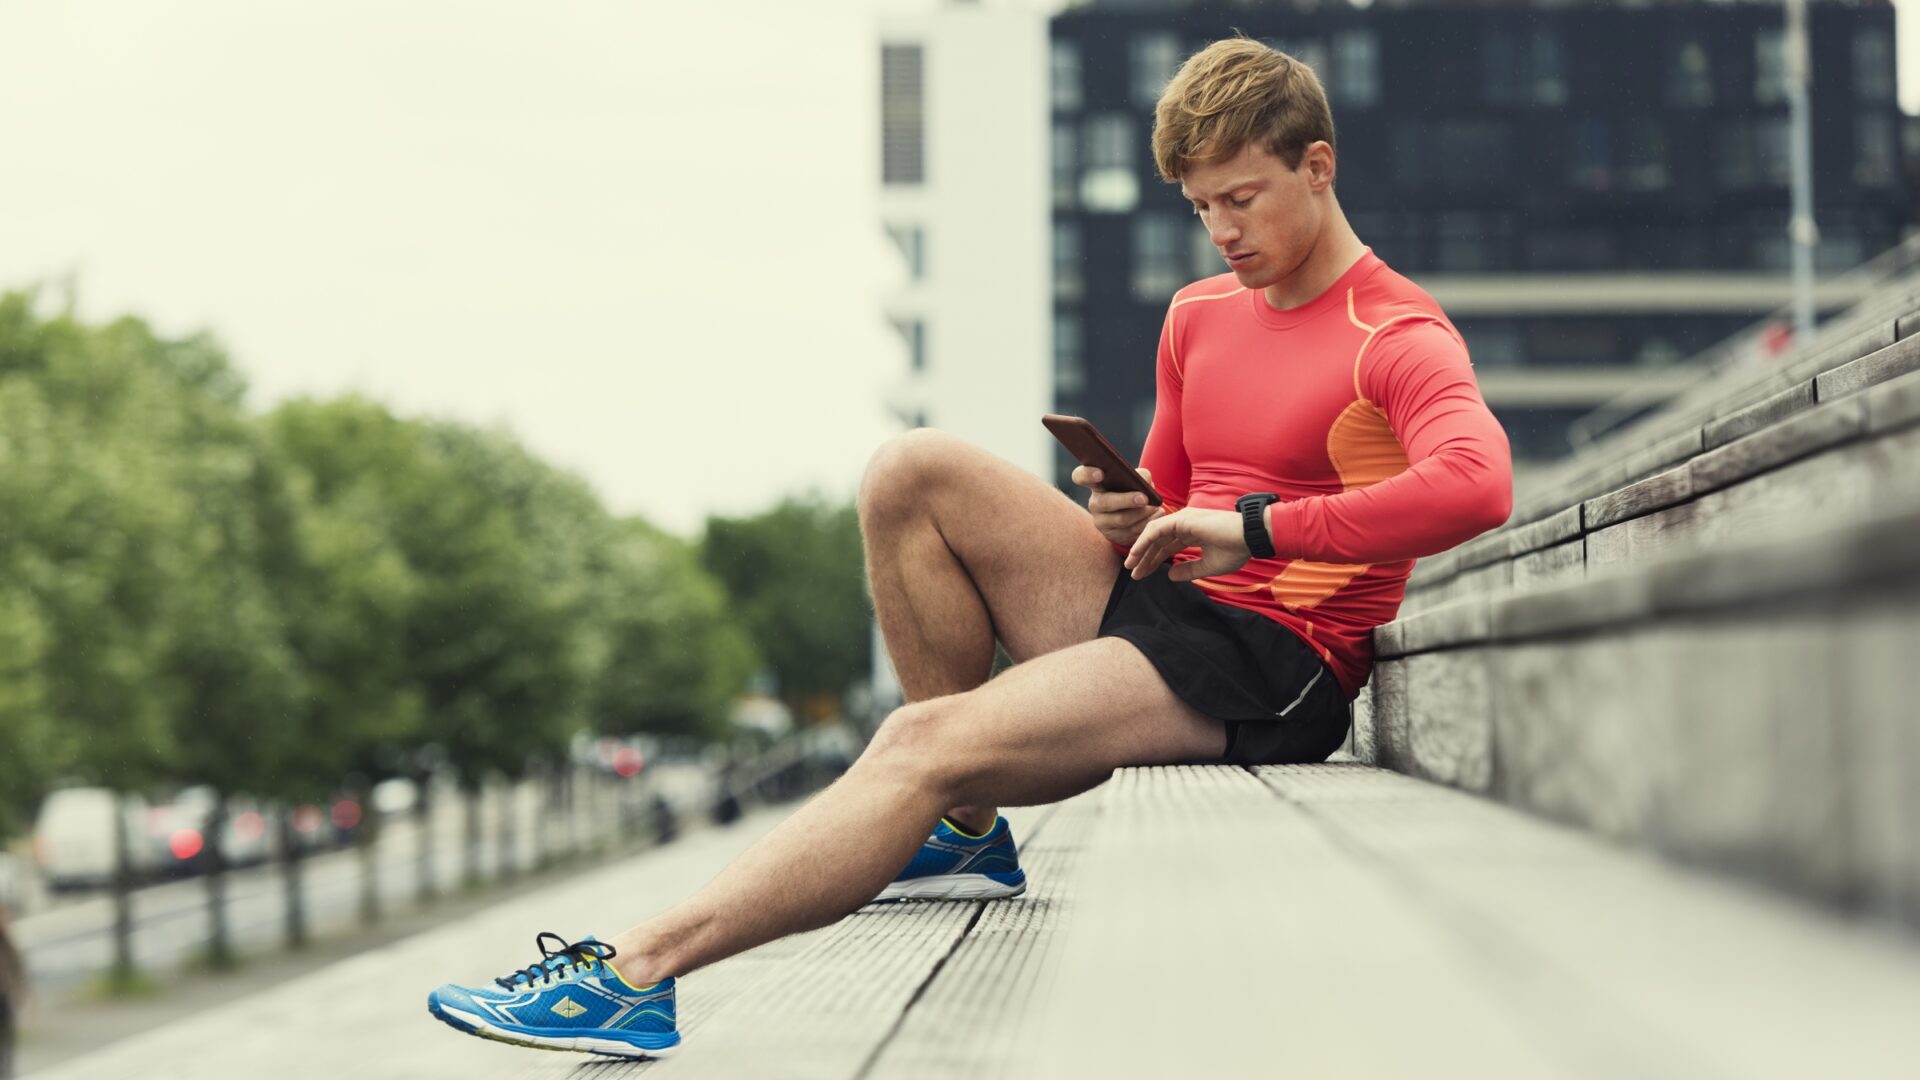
556 961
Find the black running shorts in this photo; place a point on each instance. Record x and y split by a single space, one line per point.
1279 700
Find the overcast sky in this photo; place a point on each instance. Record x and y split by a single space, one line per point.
640 234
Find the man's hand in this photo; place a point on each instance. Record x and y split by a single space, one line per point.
1219 534
1119 515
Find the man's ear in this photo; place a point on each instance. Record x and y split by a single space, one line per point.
1319 162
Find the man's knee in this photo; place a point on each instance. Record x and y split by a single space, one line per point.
923 740
906 470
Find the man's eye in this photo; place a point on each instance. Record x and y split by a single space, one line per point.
1240 204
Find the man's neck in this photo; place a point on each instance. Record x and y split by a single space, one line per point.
1333 254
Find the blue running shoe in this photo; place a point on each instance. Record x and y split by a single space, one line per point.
957 865
571 1000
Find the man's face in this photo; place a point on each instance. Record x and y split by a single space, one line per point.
1262 216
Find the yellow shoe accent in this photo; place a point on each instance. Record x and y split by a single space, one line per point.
569 1008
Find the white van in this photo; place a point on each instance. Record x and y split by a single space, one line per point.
73 837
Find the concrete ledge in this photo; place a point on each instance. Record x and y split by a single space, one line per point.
1802 435
1816 564
1458 623
1557 528
1554 565
1870 370
1644 497
1752 418
1780 568
1388 641
1846 348
1571 608
1894 404
1433 569
1481 550
1667 452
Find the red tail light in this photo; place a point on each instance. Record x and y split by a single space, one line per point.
248 827
346 814
306 818
185 844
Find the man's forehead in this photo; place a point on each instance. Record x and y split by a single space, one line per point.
1245 182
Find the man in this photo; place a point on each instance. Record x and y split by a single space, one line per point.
1317 428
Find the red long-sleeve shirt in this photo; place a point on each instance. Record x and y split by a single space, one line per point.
1360 410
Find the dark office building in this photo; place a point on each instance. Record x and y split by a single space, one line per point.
1594 192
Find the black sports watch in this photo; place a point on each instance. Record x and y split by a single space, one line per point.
1253 517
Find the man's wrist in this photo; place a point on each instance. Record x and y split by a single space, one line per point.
1280 530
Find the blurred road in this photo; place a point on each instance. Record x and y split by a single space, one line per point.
71 941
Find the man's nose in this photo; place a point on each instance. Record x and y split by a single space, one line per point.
1223 233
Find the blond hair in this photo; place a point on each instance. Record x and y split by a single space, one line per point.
1232 94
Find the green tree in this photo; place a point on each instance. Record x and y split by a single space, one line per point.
796 576
677 658
91 425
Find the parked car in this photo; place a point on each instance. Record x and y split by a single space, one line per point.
177 832
13 996
73 837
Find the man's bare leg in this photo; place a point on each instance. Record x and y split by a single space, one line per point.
1044 730
962 547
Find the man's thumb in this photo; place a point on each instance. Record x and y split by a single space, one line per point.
1148 473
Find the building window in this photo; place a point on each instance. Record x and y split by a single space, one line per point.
1645 167
1547 68
1733 155
1155 57
1772 150
1527 69
903 151
1066 76
1066 165
914 333
1460 243
1873 158
1571 249
1308 51
1069 356
1206 259
1753 152
1873 65
1690 79
1493 343
1142 424
1590 154
1156 257
1769 67
1069 280
912 242
1452 155
1356 68
1109 185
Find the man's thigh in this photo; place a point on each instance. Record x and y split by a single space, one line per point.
1044 571
1054 726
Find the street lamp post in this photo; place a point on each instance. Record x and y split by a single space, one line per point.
1800 227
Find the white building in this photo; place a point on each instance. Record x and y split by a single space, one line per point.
964 196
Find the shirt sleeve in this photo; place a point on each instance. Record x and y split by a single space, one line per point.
1165 453
1459 479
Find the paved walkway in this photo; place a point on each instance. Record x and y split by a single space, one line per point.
1295 921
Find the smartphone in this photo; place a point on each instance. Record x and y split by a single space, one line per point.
1090 448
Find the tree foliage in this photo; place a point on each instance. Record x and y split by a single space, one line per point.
275 604
796 575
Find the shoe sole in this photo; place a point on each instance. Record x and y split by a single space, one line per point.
951 887
461 1020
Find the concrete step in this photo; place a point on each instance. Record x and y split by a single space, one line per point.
1303 920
